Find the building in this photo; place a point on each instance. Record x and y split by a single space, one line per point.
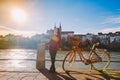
66 34
105 38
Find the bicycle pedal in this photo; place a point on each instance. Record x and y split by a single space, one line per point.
87 62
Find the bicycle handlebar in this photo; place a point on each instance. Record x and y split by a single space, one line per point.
96 44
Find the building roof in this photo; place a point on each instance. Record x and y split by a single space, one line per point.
65 32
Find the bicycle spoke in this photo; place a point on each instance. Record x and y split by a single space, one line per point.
73 60
69 57
102 60
69 60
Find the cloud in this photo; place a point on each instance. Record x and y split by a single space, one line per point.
5 30
111 24
112 20
107 30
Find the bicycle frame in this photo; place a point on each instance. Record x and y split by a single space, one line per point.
92 51
95 57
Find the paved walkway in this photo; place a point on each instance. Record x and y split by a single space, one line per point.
44 74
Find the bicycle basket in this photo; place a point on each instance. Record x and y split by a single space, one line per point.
85 45
74 41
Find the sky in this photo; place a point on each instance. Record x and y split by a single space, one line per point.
38 16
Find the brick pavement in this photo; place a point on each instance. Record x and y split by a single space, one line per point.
44 74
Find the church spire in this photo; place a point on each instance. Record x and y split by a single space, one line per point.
60 27
55 26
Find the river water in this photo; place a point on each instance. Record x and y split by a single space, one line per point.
26 58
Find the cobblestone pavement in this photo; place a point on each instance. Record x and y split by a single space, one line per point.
21 74
44 74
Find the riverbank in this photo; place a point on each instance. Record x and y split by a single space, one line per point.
27 58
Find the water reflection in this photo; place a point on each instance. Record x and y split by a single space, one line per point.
16 63
17 58
27 58
17 54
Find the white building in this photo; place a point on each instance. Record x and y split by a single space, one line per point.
66 34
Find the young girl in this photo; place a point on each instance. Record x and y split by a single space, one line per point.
53 46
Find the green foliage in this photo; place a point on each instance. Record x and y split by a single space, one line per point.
4 44
13 41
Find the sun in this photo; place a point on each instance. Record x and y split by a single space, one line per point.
18 15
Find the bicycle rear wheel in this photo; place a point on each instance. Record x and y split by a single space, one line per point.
69 60
102 59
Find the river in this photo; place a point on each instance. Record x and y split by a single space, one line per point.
26 58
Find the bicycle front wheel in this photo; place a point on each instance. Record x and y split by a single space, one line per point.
102 58
69 60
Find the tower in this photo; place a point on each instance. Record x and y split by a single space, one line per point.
55 26
60 28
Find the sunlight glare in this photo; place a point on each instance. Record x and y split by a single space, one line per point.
18 15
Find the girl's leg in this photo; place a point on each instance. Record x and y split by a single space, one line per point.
53 55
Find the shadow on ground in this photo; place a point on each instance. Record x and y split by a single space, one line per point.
54 76
80 75
110 75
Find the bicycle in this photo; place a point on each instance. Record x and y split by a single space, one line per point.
98 58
